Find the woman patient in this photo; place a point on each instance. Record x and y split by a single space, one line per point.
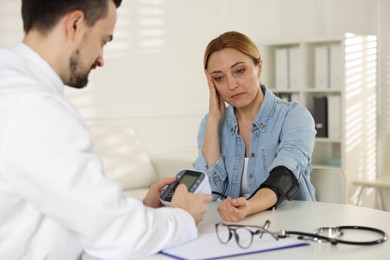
256 150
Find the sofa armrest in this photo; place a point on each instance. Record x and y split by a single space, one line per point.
168 165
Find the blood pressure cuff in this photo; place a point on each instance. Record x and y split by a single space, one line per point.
281 181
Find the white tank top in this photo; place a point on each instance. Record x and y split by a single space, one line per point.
244 181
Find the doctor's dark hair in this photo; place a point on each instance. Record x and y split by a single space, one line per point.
43 15
234 40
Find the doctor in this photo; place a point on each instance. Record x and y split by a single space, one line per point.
54 200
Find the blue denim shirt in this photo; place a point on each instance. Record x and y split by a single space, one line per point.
283 134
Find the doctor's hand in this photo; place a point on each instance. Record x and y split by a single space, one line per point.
152 198
234 210
195 204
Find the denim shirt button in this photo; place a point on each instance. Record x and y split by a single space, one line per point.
251 176
253 155
262 125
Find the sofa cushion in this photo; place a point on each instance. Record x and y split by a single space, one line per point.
136 193
124 159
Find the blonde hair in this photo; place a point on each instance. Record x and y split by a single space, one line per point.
233 40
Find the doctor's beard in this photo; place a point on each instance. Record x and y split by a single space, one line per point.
78 77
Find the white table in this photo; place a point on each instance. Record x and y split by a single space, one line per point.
307 216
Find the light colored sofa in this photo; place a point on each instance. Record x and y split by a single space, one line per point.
126 161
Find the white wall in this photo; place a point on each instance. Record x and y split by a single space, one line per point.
153 74
162 90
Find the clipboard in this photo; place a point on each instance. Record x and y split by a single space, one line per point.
207 246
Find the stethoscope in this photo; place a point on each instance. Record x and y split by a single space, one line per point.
334 234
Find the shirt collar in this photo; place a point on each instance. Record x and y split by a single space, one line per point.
39 67
232 120
266 110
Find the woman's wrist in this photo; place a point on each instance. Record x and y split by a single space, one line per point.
262 200
213 119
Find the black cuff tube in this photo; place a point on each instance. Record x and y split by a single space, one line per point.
281 181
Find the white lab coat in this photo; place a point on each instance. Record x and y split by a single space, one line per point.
55 202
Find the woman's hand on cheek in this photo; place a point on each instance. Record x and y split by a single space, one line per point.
233 210
216 103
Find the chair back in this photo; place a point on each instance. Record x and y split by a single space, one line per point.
329 185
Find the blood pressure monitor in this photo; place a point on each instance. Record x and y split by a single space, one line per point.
196 182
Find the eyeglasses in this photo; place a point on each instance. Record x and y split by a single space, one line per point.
243 234
351 235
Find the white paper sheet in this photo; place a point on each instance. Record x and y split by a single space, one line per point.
208 247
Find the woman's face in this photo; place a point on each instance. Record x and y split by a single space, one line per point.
235 76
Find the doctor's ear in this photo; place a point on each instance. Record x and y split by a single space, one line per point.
74 21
